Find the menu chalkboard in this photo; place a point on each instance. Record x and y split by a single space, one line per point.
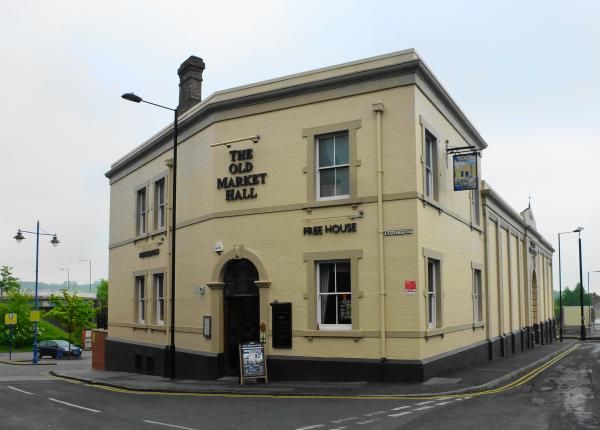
253 364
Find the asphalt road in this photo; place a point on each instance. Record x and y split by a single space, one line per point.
565 396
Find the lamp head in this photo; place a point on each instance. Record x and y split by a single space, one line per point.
132 97
19 236
54 241
578 230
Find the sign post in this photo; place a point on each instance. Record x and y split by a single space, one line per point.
10 319
253 364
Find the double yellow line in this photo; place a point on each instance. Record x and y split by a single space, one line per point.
514 384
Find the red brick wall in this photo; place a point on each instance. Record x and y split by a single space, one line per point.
98 341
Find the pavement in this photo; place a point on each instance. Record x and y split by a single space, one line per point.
487 376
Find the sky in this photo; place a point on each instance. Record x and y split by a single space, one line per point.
526 74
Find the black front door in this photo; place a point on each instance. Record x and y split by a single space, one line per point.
241 310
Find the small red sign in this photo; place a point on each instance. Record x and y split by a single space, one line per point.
410 287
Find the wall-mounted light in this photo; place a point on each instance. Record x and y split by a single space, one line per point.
219 248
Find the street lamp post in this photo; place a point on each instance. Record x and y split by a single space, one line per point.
560 318
89 261
19 238
582 328
137 99
590 299
68 277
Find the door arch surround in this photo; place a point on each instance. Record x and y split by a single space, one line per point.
217 286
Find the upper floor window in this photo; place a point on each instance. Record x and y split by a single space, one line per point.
159 204
431 170
475 214
477 296
333 166
334 301
141 212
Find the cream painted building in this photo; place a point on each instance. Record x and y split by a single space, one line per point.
316 212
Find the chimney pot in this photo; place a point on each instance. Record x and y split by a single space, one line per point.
190 83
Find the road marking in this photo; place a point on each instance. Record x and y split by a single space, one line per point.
399 414
344 420
367 421
425 403
316 426
72 405
422 408
19 390
514 384
339 428
372 414
168 425
442 403
399 408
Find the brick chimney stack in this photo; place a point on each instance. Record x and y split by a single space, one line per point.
190 83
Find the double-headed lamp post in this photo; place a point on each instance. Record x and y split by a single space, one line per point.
590 299
137 99
560 317
19 238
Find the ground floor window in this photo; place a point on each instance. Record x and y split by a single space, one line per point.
159 296
334 290
140 293
433 293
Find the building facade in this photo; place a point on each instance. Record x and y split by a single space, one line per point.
316 213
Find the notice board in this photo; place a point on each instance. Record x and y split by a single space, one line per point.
253 363
282 325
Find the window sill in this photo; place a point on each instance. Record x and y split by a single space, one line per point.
348 334
333 202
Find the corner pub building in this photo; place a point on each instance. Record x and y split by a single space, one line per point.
316 213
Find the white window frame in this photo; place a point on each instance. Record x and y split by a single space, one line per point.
158 279
334 166
430 165
477 296
336 326
141 211
433 292
140 295
160 202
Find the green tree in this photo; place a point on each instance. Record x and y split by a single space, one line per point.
102 293
20 303
102 296
8 282
73 312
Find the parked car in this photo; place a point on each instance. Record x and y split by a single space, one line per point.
58 349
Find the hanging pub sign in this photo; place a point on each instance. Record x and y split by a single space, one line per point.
465 172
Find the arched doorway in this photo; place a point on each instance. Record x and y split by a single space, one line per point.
241 309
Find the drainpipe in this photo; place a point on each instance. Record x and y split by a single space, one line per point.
486 253
378 109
